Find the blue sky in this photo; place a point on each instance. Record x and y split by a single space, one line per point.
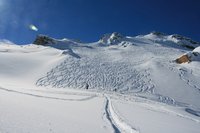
88 20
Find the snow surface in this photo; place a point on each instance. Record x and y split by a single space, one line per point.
134 85
197 49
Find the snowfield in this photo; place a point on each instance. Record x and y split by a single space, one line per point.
118 84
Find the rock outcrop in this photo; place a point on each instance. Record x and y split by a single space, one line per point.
190 56
43 40
183 59
112 39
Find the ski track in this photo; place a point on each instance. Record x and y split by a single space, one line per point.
47 97
62 92
109 118
98 74
118 125
101 75
170 112
121 76
145 104
182 75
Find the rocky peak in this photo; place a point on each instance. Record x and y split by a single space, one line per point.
158 33
113 38
44 40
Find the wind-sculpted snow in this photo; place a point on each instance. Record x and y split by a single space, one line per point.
98 74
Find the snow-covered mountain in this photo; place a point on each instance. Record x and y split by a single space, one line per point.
135 79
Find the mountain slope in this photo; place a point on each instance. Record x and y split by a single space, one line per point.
23 65
130 65
121 74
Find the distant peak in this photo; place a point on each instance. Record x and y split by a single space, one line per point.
183 38
157 33
174 36
112 38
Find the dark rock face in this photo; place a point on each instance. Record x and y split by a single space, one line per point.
43 40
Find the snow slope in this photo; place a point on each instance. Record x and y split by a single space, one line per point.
24 64
133 84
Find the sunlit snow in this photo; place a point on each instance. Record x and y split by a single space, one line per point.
133 86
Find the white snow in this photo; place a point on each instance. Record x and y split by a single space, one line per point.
197 49
133 86
20 113
22 65
154 118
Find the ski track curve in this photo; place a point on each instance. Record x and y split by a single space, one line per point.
118 125
109 118
62 93
156 109
48 97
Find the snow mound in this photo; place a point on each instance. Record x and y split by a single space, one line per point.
195 54
197 49
156 36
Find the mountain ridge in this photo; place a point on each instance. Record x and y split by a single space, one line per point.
117 38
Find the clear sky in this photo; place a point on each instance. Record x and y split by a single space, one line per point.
88 20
